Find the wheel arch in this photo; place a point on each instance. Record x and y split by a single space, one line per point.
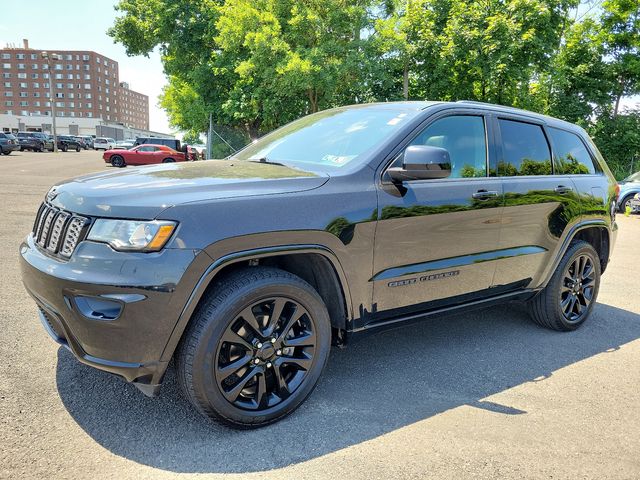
315 264
594 232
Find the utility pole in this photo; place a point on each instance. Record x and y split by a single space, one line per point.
46 57
210 138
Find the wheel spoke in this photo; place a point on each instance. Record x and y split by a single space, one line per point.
232 337
587 272
295 316
282 386
274 316
565 303
231 368
248 316
233 393
303 362
306 340
587 293
261 389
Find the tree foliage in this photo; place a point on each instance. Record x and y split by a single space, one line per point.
254 65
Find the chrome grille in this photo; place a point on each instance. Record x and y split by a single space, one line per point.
57 231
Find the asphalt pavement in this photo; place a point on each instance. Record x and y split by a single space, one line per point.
481 395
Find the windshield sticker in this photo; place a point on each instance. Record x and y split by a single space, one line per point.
337 159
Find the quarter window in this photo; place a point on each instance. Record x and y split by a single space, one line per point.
571 156
463 136
525 150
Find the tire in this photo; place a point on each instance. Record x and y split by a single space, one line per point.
625 200
64 147
268 364
549 308
168 160
118 161
78 148
40 148
6 152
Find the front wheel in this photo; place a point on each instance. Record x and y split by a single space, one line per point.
168 160
255 349
64 148
567 300
78 148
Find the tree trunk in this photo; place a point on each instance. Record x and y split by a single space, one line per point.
405 82
618 97
313 100
253 130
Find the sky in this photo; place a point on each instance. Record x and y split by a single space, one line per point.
82 25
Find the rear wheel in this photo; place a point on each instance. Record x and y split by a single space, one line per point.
78 148
168 160
255 349
567 300
64 147
626 202
40 147
6 152
117 161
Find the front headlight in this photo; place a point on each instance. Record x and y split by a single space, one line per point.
132 235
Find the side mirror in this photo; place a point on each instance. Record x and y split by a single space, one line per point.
422 162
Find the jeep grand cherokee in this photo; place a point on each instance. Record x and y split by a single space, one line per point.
245 270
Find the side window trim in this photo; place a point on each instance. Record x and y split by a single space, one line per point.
489 143
499 144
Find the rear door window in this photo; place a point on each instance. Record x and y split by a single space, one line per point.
525 150
571 157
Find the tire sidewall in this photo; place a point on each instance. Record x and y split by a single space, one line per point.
581 248
117 161
204 382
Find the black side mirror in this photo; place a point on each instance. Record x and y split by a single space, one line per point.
422 162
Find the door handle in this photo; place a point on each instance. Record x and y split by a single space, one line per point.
484 194
562 189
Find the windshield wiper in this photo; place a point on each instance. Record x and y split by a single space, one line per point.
265 160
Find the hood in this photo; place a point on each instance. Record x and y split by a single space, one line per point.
144 192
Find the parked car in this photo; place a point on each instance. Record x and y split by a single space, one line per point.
82 141
34 141
104 143
169 142
67 142
123 145
244 271
142 155
8 143
634 204
88 140
200 149
629 187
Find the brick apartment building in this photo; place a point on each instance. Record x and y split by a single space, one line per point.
85 85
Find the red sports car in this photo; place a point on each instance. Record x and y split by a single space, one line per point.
142 155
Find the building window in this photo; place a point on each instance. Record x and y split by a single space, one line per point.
70 86
35 75
8 94
21 66
87 95
8 103
59 76
68 57
87 76
87 86
20 56
36 103
89 114
34 66
70 76
34 56
59 104
59 85
85 57
35 85
7 84
58 66
45 85
6 56
24 112
36 94
71 95
59 95
24 94
24 103
37 112
6 65
23 85
45 75
85 67
69 66
89 105
22 75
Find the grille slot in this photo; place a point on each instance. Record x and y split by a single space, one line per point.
57 231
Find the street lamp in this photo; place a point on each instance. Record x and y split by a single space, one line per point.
54 56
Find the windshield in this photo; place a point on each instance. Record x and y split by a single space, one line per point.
331 138
633 178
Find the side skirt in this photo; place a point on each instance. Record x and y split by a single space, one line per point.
401 321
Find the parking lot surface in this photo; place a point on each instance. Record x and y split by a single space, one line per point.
480 395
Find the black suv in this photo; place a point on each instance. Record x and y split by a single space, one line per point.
246 270
34 141
67 142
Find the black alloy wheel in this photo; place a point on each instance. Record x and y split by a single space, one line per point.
255 348
578 287
265 353
168 160
117 161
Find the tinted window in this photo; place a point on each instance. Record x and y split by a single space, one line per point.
147 148
465 140
571 156
525 150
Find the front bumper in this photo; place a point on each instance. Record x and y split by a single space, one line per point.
114 311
